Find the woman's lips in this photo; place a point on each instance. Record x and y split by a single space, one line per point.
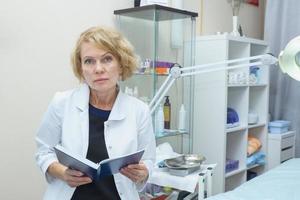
101 80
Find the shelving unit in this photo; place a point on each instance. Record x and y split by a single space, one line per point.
213 94
158 34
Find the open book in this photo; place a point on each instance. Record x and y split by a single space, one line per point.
96 171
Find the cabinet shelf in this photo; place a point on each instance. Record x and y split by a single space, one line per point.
149 74
234 172
247 85
241 85
235 129
171 134
146 12
258 85
254 166
256 125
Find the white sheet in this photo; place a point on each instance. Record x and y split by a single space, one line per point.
188 183
280 183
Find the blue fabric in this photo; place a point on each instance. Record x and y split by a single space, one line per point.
99 112
232 116
256 158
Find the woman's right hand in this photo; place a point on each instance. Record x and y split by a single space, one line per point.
72 177
75 178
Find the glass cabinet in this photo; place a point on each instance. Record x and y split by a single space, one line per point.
162 36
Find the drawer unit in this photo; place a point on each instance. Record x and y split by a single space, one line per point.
281 147
286 154
287 142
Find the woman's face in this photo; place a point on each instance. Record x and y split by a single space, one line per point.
100 69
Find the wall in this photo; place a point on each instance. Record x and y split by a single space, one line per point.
36 39
216 16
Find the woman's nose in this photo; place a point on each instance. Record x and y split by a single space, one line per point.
99 67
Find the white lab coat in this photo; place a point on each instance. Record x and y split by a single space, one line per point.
128 129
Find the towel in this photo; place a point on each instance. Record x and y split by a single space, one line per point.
256 158
253 145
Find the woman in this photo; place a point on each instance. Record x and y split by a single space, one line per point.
96 120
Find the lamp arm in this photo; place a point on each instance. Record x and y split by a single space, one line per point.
177 72
159 97
222 68
267 59
173 75
160 90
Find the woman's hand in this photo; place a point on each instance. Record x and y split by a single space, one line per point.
72 177
136 172
75 178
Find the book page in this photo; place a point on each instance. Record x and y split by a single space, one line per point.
76 162
113 166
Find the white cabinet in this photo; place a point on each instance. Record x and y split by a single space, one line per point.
213 94
281 147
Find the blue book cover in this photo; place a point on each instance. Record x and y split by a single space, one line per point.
93 170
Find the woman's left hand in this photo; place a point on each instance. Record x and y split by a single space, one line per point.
136 172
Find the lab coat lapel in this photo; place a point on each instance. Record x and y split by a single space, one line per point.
84 124
82 102
117 112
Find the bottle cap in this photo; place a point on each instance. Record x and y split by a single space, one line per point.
167 99
182 107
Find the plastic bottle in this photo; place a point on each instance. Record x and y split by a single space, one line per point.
167 113
130 92
159 121
126 90
136 92
182 120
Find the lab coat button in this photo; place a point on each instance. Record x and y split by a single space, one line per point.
110 147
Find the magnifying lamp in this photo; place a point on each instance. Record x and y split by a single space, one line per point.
289 62
289 59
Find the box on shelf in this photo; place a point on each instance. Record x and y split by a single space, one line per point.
162 67
231 165
279 126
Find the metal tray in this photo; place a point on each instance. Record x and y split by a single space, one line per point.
185 161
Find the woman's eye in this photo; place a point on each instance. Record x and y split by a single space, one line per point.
107 59
89 61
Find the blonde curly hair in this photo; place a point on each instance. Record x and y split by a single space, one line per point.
109 40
